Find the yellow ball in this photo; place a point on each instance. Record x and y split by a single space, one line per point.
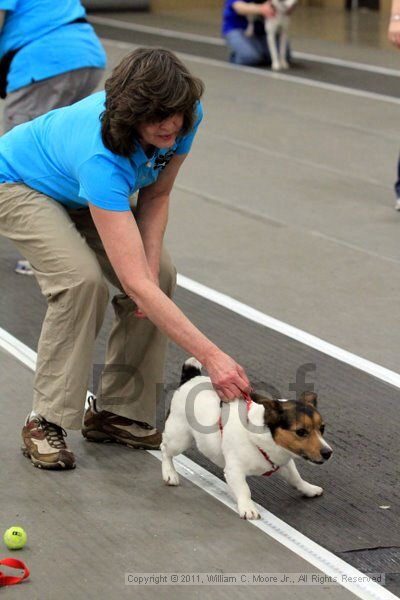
15 538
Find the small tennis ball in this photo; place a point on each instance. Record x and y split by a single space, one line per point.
15 538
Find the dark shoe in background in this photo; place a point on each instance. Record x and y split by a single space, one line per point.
104 426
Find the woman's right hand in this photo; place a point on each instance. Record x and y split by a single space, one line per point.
227 376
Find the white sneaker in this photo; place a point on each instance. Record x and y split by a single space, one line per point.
397 205
23 267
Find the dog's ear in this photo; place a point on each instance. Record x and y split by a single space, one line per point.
260 398
273 409
273 414
309 398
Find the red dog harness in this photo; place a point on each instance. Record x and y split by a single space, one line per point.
274 467
15 564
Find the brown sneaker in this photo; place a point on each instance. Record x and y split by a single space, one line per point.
104 426
44 444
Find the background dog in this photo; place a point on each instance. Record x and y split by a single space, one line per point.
279 23
256 437
277 32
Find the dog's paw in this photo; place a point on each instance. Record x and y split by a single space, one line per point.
284 65
170 476
311 491
248 510
276 67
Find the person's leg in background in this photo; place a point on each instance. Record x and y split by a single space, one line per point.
250 51
260 42
244 50
133 375
70 277
397 186
40 97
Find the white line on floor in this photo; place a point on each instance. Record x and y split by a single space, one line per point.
348 64
349 577
214 41
271 75
289 331
18 349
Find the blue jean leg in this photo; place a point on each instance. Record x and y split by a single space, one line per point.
246 50
249 51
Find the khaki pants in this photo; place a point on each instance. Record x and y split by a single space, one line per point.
70 265
38 98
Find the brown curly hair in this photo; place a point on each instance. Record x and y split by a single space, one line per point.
149 85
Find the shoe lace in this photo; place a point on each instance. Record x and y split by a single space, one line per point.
54 434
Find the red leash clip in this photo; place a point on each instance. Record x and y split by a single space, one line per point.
14 564
274 467
247 399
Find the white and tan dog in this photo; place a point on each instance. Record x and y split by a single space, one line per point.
257 439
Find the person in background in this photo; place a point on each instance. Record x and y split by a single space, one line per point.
394 38
67 179
50 57
246 50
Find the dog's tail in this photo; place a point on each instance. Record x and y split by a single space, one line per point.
191 368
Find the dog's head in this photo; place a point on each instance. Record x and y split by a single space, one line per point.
296 426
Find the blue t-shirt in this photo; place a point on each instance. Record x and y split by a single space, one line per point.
62 155
51 45
232 20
